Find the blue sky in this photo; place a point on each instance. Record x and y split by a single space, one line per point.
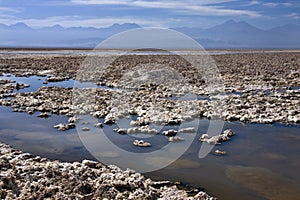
149 13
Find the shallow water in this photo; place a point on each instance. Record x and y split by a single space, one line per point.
273 148
37 82
262 161
36 135
295 87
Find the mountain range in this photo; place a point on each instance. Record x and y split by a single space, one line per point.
230 34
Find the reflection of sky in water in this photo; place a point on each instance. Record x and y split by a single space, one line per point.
36 82
100 140
273 147
36 135
295 87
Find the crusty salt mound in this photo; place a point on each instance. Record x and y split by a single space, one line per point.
23 176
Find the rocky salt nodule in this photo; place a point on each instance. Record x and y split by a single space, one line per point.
219 152
135 130
141 143
217 139
175 139
23 176
64 127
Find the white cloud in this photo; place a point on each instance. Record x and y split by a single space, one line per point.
271 4
155 4
201 8
8 14
293 16
275 4
101 2
252 3
147 3
6 10
287 4
219 11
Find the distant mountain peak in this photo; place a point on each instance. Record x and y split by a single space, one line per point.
230 34
19 25
129 25
115 24
236 23
234 26
231 21
57 26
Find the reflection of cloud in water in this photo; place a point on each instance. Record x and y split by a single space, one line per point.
183 163
290 137
29 124
34 136
42 142
265 182
38 126
110 154
157 161
41 147
56 150
73 138
8 133
274 156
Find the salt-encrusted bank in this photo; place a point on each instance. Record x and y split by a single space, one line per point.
23 176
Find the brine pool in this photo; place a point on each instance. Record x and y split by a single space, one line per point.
262 161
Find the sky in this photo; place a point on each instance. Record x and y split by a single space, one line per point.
264 14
